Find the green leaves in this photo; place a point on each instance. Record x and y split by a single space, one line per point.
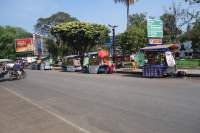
8 35
81 36
60 17
135 37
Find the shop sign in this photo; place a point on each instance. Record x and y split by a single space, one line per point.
155 41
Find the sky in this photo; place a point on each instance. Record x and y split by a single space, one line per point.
24 13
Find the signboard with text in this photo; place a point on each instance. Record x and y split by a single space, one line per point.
155 41
155 28
24 45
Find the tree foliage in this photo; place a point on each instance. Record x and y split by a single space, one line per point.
8 35
171 31
135 37
81 36
138 20
192 1
193 35
57 18
53 44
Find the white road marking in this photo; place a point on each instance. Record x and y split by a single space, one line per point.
48 111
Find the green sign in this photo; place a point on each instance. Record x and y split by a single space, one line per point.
155 28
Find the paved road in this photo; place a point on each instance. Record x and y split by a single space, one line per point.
119 103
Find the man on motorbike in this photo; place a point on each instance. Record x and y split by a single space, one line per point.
17 69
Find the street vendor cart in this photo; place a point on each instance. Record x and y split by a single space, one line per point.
101 63
159 60
71 63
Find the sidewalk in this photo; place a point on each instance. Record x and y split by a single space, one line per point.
189 72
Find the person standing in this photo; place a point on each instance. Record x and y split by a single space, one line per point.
132 59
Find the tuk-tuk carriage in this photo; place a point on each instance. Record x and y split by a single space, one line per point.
71 63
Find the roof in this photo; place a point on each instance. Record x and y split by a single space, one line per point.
160 47
5 60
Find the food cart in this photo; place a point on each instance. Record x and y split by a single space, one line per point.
159 60
87 57
100 63
71 63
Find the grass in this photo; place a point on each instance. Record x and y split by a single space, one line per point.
180 63
188 63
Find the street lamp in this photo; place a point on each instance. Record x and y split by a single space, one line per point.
113 40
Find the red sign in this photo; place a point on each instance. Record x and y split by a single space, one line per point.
24 45
155 41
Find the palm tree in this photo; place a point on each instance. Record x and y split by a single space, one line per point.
127 3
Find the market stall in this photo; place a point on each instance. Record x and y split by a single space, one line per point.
159 60
100 63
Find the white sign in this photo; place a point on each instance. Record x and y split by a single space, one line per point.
170 59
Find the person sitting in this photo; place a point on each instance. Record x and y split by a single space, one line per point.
17 67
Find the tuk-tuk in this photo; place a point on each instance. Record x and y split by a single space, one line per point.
71 63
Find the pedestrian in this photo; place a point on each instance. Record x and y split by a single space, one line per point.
133 61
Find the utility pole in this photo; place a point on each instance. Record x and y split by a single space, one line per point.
113 40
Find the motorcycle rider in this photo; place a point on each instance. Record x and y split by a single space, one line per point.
17 69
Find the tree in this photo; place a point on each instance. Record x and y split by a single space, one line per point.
135 37
185 15
127 4
193 1
138 19
8 35
53 44
193 35
57 18
171 31
81 36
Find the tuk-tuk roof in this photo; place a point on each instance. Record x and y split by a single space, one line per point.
160 47
6 60
71 56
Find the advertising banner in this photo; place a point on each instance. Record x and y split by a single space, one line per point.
24 45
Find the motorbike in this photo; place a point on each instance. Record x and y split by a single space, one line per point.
17 74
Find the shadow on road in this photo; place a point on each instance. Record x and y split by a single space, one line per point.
132 75
4 79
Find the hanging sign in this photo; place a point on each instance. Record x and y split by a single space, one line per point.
170 59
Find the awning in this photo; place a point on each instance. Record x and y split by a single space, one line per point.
160 47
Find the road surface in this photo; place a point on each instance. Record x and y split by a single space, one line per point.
52 101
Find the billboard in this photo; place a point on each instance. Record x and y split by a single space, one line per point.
24 45
155 28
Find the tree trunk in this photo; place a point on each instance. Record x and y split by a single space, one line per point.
127 25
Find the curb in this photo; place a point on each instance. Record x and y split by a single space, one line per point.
140 73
